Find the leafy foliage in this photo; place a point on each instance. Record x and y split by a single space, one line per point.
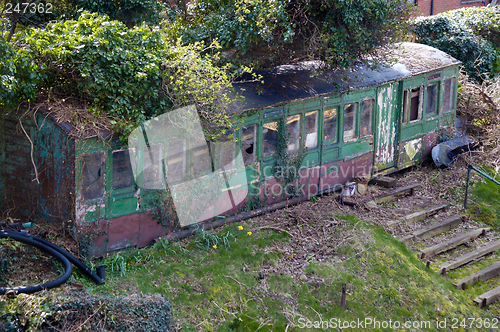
270 32
472 35
129 74
74 310
131 12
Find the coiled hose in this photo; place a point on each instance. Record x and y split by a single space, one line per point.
60 254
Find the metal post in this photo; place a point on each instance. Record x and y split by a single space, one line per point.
468 178
467 186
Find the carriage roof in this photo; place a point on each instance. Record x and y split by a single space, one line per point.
305 79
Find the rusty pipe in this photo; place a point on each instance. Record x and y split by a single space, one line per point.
242 216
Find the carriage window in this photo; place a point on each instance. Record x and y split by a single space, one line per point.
312 129
449 84
411 103
152 166
93 176
366 117
248 148
269 138
330 125
227 152
431 105
350 121
122 170
176 160
293 131
201 160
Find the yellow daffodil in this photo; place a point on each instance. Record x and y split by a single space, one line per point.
240 228
249 233
214 246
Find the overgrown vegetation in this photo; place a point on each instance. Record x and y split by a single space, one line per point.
126 75
287 167
75 310
263 283
265 33
471 35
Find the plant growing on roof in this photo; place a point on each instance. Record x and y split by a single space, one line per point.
127 74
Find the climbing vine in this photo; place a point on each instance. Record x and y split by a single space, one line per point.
287 167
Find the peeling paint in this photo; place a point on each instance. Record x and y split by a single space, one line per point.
386 130
412 148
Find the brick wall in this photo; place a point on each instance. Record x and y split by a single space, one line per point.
424 6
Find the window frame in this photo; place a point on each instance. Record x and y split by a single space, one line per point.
371 118
406 114
355 124
103 175
255 144
437 85
129 189
335 139
452 100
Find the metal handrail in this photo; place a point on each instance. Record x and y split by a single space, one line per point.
468 178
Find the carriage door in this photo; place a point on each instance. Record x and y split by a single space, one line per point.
386 128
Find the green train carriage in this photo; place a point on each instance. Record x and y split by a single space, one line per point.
361 121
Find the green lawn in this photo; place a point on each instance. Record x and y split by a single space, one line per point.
223 289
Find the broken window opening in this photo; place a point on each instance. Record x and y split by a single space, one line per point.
415 104
350 111
269 138
330 125
366 117
293 132
311 122
449 86
248 148
431 105
123 176
93 176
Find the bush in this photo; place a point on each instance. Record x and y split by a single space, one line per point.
82 310
471 35
126 74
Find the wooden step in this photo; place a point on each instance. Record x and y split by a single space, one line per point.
387 197
452 243
433 230
491 271
385 181
488 297
420 215
469 257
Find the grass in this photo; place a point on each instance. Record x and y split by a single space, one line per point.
486 195
247 285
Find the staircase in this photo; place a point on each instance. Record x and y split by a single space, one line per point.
446 244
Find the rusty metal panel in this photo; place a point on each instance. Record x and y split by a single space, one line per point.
55 160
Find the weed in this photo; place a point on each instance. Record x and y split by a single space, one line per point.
206 240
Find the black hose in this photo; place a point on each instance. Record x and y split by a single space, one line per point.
82 267
60 257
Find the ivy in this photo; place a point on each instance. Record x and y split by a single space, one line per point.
471 35
287 167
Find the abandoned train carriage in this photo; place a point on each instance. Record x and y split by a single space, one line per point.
358 122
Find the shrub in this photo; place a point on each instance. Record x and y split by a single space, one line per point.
127 74
471 35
